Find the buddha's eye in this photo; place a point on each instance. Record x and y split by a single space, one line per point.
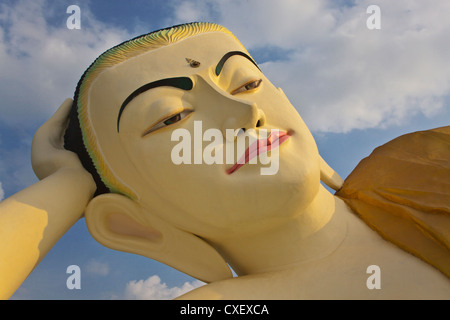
172 119
249 86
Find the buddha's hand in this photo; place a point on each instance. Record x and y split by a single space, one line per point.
47 149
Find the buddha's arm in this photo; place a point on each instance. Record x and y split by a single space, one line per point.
32 221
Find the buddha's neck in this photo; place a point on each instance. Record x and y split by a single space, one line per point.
313 234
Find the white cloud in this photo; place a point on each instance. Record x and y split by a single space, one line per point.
339 74
15 168
95 267
41 62
153 289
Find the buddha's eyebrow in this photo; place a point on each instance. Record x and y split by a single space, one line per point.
228 55
183 83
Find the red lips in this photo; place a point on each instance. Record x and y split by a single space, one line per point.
275 139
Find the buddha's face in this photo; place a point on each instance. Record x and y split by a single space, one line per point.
202 198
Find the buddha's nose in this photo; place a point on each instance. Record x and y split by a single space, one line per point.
250 117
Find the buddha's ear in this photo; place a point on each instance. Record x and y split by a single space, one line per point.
329 176
118 223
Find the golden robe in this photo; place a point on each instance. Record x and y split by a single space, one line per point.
402 191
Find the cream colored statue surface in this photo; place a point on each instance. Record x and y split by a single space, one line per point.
284 234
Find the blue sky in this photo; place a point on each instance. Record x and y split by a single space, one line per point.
355 88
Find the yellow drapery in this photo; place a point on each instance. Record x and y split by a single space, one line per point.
402 191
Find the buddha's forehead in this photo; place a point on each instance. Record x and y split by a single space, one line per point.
165 62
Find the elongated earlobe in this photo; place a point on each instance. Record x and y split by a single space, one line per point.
329 176
121 224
